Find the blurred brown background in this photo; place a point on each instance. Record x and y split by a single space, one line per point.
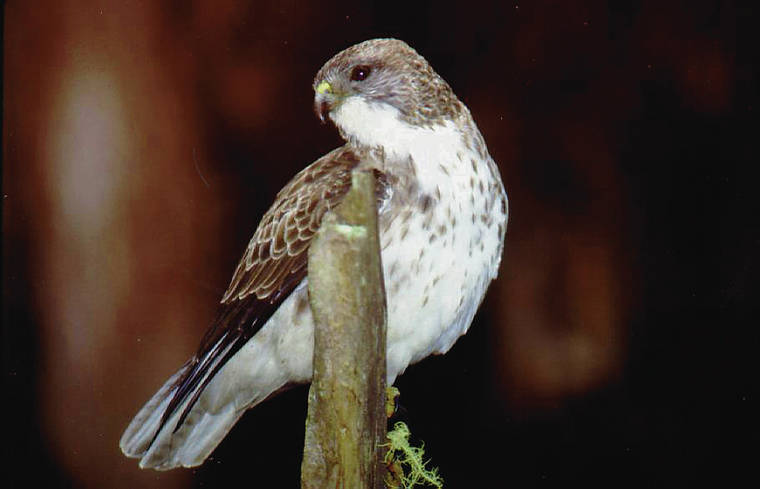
142 141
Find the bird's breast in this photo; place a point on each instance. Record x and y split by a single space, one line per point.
441 238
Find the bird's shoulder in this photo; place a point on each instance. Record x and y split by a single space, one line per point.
278 247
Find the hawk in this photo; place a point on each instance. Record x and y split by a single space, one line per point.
442 216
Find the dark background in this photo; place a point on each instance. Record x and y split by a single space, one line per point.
142 141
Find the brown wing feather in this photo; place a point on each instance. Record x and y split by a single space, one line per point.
271 268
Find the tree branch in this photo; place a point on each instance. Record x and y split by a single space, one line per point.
346 421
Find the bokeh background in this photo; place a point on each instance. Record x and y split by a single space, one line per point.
142 141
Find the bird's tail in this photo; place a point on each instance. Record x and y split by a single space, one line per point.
246 380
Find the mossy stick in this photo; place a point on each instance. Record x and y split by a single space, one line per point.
346 421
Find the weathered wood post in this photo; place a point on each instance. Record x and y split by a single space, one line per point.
346 421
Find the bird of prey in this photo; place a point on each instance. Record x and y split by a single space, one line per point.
442 216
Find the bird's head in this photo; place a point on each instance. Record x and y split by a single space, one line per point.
381 81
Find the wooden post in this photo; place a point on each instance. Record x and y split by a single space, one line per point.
346 421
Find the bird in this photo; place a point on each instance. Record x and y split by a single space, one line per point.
442 218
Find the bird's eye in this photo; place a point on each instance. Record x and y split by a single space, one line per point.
360 73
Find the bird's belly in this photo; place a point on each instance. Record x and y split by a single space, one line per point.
433 288
436 266
435 278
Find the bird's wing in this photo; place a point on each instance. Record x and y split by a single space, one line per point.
271 268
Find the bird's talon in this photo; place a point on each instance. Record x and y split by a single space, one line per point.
391 400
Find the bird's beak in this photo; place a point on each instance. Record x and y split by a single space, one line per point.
323 100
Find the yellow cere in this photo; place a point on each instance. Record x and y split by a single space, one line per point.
324 87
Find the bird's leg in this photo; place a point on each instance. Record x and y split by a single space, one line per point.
391 400
395 476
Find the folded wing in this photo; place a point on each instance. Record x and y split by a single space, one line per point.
174 428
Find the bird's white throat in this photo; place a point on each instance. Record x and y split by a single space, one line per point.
381 126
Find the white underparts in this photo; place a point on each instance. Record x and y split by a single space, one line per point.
437 262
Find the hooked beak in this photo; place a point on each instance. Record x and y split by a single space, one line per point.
323 100
322 108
